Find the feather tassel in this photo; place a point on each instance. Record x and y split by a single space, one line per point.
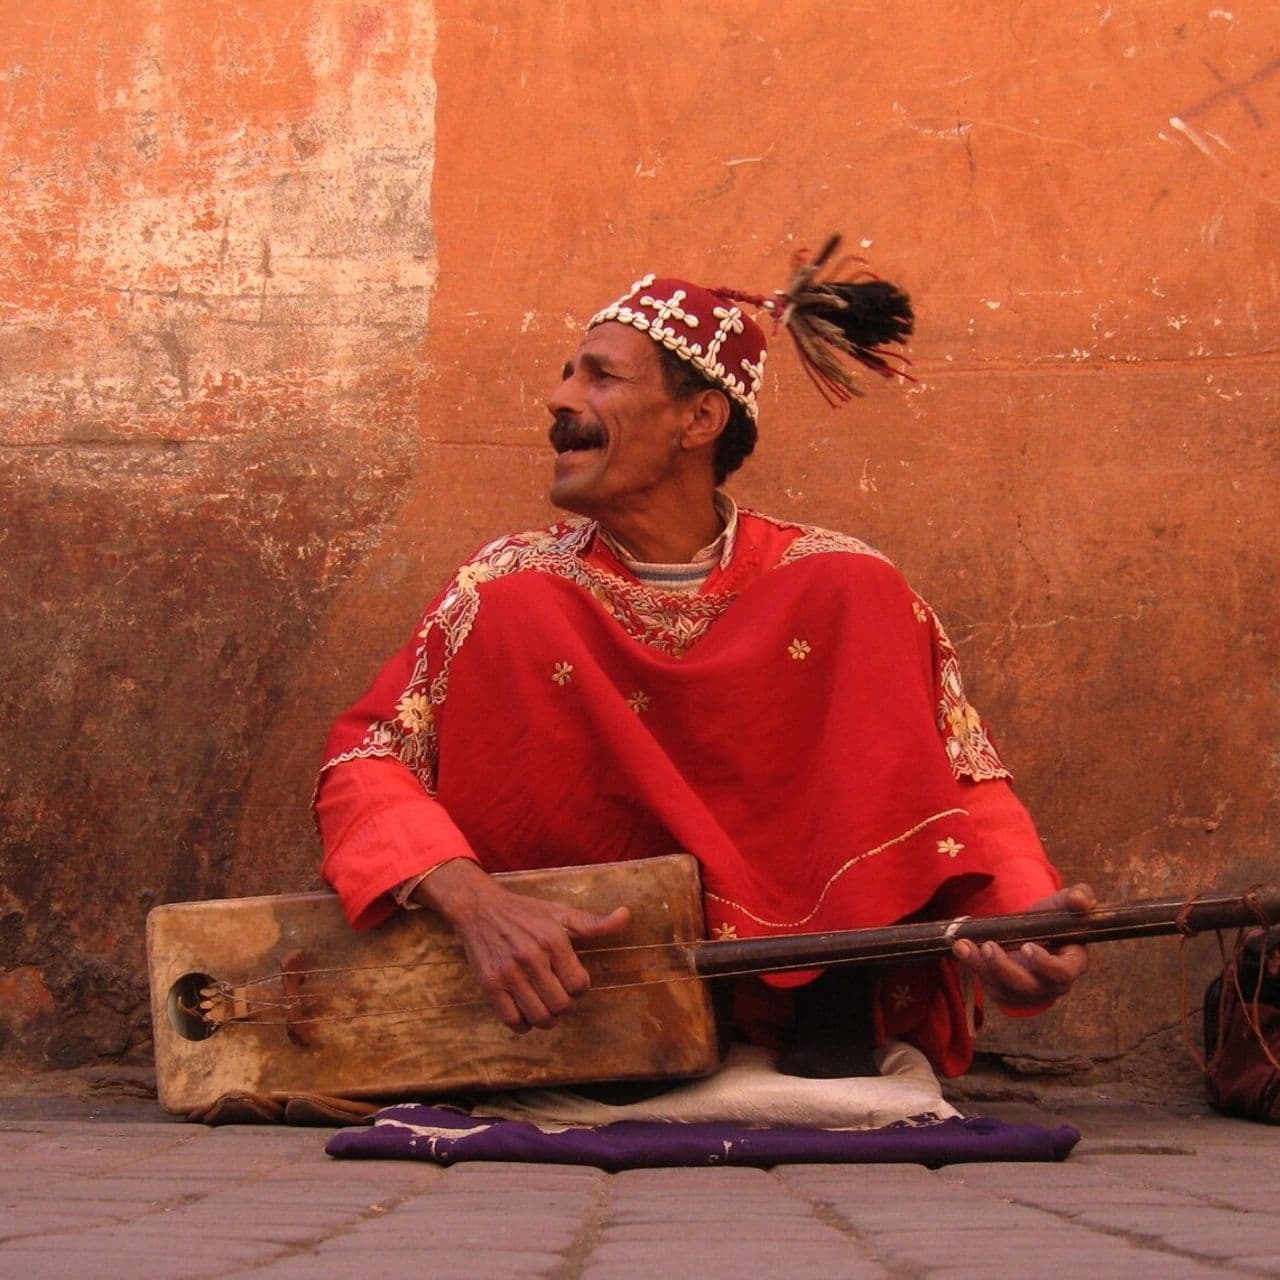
833 322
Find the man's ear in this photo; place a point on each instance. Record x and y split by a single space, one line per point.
708 417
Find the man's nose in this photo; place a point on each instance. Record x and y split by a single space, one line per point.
566 398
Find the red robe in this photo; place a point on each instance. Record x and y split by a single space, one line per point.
799 725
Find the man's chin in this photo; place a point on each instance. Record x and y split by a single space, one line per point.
571 487
567 496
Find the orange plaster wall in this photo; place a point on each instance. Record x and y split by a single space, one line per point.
216 260
1081 200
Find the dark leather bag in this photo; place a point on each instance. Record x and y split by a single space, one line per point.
1242 1031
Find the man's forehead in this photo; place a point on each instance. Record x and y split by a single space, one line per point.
616 343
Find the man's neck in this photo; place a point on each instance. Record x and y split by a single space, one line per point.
655 536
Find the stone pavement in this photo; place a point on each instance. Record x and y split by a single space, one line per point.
111 1188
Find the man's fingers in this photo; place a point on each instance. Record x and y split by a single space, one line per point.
529 1000
1000 970
583 924
505 1007
1031 975
566 971
521 998
1081 897
521 951
1062 966
1076 897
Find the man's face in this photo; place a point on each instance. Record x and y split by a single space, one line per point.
617 428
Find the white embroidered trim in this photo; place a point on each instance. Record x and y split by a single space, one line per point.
744 387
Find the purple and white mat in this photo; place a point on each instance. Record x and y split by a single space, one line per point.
747 1113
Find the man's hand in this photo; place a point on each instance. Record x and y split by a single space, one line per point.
519 948
1033 975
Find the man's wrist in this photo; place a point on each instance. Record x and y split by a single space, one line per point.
447 886
402 894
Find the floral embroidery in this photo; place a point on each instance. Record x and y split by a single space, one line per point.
563 673
415 713
605 600
799 649
922 614
969 749
901 996
639 701
963 720
950 846
471 575
724 932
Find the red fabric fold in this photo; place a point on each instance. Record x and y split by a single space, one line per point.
799 726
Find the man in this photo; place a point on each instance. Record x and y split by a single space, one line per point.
665 672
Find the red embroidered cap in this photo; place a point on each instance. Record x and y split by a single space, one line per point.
706 328
837 325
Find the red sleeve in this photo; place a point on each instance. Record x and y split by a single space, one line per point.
379 827
1022 870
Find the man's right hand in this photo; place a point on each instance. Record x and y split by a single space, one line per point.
519 948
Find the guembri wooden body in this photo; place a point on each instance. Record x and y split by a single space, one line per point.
297 1002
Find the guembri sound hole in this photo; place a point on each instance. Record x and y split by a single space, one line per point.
184 1007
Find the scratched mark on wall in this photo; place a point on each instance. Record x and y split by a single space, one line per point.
1233 89
1218 126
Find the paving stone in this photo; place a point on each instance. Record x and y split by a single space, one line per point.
726 1256
830 1268
546 1236
514 1200
1134 1198
1161 1220
35 1264
1022 1253
1098 1265
140 1260
469 1264
151 1200
909 1178
532 1176
683 1212
1225 1241
936 1216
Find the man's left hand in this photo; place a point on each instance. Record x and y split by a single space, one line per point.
1032 976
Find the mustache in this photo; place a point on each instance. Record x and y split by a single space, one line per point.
571 431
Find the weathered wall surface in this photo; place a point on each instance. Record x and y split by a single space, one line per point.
235 471
217 258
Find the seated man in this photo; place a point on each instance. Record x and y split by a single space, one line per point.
667 672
